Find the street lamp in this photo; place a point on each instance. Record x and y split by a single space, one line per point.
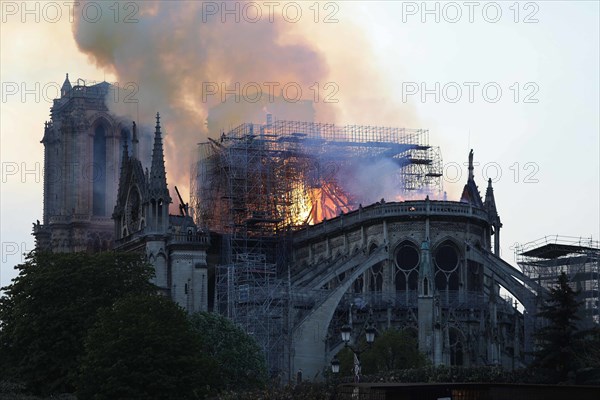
346 330
335 365
370 333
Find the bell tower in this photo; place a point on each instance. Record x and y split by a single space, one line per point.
82 143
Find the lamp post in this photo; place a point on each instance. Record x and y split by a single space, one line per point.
335 365
356 350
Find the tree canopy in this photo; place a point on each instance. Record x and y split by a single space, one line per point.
48 308
143 347
559 341
240 359
392 350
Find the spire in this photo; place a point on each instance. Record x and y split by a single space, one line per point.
158 175
470 192
490 205
66 87
490 202
471 165
134 143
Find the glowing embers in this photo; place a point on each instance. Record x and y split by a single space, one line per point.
311 205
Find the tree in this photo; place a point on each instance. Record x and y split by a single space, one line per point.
559 341
392 350
50 305
241 361
143 347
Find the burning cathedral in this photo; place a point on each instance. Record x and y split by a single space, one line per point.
294 230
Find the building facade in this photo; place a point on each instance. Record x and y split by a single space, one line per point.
431 267
98 196
82 148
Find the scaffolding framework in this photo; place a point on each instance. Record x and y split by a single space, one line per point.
545 259
298 173
257 183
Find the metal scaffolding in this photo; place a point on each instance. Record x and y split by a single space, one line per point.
257 183
543 260
297 173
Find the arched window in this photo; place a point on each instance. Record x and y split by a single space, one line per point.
376 273
446 266
456 347
99 172
358 284
407 267
376 281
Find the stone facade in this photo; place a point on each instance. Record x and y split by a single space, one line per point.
430 267
172 243
82 144
97 196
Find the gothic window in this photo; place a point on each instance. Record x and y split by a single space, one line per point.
99 171
133 210
358 285
474 276
160 268
446 262
375 273
407 267
456 347
376 281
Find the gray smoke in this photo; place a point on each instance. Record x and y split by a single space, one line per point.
174 56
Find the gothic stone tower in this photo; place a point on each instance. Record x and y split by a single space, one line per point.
82 144
173 243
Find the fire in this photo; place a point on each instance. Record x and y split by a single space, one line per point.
313 205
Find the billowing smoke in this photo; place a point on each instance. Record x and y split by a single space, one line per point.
181 59
372 181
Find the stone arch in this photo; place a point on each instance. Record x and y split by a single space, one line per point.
458 346
160 268
310 333
375 273
447 260
134 207
406 265
372 243
105 119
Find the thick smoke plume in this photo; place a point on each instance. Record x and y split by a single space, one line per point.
176 55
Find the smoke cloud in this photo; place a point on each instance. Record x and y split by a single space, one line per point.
181 59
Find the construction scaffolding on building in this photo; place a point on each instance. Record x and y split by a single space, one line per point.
545 259
259 182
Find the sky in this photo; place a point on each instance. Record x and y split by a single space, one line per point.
518 82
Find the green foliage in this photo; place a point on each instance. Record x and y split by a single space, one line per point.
392 350
559 342
589 358
144 348
49 307
240 359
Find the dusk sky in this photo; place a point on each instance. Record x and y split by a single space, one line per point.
516 82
